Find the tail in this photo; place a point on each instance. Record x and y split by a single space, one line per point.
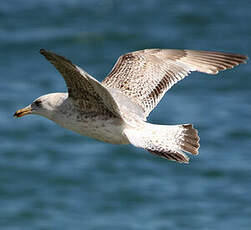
168 141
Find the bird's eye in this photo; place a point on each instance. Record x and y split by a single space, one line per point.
37 102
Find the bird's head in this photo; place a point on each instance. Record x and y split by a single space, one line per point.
43 106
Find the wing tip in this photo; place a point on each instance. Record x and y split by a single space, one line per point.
53 57
42 51
47 54
244 59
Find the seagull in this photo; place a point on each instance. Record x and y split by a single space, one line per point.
115 110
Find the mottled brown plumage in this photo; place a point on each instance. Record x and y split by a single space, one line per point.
144 76
86 91
115 110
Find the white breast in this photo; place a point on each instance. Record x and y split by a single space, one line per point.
106 130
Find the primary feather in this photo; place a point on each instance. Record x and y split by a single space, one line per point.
144 76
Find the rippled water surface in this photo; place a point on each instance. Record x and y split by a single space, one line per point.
51 178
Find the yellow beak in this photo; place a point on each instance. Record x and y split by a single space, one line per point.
22 112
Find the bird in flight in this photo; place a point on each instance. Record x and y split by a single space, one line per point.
115 110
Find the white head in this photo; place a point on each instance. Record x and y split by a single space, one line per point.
45 105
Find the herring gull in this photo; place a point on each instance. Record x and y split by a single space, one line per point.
115 110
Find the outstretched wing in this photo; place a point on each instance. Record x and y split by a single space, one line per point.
89 94
144 76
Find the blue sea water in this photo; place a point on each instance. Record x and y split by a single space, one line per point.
53 179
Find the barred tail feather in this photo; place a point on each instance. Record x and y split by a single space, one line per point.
168 141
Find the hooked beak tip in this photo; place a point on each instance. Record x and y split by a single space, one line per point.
15 114
22 112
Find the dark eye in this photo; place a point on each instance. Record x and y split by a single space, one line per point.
37 102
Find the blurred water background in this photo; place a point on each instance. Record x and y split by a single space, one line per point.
53 179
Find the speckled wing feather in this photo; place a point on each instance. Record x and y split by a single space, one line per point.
89 94
144 76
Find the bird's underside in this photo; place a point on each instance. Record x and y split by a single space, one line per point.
134 87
